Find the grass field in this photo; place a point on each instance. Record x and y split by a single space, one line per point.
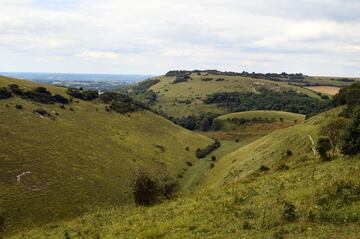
82 159
265 114
237 200
329 90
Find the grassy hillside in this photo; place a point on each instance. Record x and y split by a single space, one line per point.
265 114
186 98
298 196
79 158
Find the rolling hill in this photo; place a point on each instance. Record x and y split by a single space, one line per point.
183 93
59 161
259 190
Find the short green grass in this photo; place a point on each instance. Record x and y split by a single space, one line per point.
253 210
83 159
265 114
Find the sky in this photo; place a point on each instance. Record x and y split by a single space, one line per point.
315 37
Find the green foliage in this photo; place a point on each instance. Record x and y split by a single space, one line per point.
121 103
264 168
289 212
348 96
4 93
339 194
289 101
335 130
39 94
351 139
83 94
323 146
148 190
203 122
145 85
202 153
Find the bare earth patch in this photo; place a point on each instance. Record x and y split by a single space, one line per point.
330 90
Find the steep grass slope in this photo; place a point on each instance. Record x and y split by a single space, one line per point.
172 97
299 196
80 158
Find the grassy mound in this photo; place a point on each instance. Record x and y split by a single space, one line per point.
60 161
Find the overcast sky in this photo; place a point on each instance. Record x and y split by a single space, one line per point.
316 37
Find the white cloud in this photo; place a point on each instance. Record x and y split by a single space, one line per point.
99 54
155 36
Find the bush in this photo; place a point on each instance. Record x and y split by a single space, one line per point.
42 112
61 99
5 93
264 168
323 146
83 95
289 152
351 139
213 158
289 212
19 107
202 153
148 190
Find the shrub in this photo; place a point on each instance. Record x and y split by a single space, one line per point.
351 139
19 107
83 95
61 99
213 158
42 112
189 163
289 153
323 146
146 190
341 193
187 148
5 93
202 153
289 212
264 168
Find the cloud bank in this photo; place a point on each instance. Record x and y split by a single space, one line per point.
316 37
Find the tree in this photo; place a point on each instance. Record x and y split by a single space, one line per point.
204 124
146 189
351 140
323 146
5 93
335 130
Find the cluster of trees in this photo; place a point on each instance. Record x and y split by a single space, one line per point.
202 122
121 103
269 76
289 101
83 94
149 190
145 85
241 121
180 76
39 94
142 93
345 130
202 153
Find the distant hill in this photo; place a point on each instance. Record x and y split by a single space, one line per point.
183 93
59 161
